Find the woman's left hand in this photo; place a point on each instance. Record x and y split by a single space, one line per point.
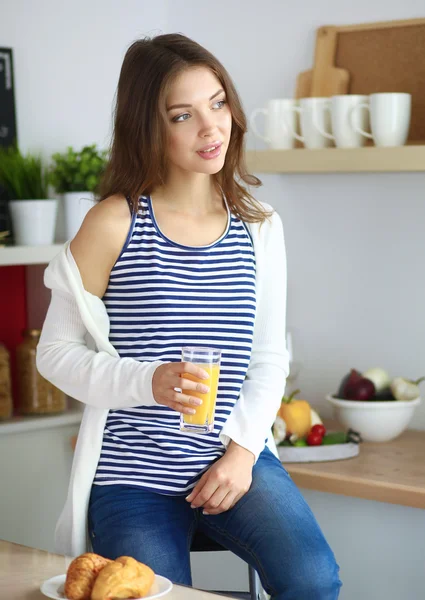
224 484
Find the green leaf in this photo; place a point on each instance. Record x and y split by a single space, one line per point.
73 171
23 176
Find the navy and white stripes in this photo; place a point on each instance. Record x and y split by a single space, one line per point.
162 296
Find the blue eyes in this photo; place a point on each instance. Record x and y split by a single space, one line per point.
185 116
180 118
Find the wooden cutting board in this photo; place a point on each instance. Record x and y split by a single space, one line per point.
336 81
303 85
323 80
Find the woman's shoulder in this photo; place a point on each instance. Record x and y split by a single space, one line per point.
106 218
99 241
112 207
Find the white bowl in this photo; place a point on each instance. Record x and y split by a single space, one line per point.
379 421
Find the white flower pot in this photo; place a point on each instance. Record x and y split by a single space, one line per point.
77 205
34 221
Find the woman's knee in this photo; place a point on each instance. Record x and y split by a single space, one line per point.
166 559
321 574
315 577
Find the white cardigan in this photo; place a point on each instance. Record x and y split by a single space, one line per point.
75 354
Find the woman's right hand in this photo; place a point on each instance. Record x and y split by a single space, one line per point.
168 376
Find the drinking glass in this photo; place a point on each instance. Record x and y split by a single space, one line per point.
209 360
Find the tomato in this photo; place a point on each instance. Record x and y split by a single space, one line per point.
319 428
314 439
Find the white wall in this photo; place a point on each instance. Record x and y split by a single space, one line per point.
354 242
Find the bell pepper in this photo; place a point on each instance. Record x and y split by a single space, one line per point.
296 414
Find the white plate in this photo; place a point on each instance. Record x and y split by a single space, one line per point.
53 588
299 454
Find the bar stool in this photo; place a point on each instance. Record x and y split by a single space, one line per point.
202 543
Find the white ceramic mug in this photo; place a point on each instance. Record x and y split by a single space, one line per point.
279 118
389 118
346 120
314 120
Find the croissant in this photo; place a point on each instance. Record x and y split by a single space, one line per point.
81 575
125 577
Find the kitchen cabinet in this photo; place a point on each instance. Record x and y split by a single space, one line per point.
34 474
379 546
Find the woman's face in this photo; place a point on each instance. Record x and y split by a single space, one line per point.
199 122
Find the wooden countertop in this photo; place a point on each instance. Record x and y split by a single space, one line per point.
391 472
23 570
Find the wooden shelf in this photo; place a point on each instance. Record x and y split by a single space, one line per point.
392 472
20 424
370 159
28 255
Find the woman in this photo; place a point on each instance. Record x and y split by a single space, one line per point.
178 253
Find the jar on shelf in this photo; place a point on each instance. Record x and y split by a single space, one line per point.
6 403
36 395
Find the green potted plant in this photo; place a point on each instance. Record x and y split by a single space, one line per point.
76 175
26 182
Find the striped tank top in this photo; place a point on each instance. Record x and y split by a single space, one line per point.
161 296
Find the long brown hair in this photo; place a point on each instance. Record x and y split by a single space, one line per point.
137 162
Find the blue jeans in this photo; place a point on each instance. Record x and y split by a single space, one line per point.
271 527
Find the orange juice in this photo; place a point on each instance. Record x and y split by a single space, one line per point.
205 413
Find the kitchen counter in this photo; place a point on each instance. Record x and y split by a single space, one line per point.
23 570
392 472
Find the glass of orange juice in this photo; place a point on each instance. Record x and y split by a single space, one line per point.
209 360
